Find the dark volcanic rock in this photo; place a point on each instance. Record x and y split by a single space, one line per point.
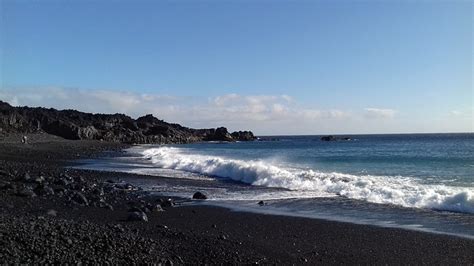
243 136
26 192
334 138
199 195
44 190
167 203
218 134
26 177
80 198
328 138
75 125
137 216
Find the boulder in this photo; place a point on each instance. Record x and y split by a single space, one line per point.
199 195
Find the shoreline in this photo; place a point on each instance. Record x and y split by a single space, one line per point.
147 180
185 234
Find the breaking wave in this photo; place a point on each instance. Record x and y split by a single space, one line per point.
402 191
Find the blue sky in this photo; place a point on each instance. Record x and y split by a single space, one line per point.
276 67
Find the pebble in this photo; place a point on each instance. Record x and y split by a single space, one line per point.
52 212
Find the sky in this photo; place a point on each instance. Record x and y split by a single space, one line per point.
273 67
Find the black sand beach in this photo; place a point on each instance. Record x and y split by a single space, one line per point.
73 216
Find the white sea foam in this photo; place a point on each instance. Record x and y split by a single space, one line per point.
402 191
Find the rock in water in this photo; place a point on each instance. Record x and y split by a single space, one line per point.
261 203
137 216
243 136
328 138
199 195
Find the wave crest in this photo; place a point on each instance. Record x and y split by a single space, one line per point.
402 191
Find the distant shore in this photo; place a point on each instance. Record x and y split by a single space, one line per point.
49 213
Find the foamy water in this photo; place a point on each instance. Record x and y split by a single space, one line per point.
416 182
398 190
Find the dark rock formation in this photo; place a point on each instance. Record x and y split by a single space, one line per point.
328 138
75 125
334 138
199 195
243 135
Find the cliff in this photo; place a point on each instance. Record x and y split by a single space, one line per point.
72 124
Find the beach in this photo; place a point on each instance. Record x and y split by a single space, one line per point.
61 227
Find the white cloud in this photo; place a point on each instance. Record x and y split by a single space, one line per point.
379 113
456 112
264 114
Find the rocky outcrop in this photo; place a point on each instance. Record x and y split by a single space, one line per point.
334 138
243 135
75 125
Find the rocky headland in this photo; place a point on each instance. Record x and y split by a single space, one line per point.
75 125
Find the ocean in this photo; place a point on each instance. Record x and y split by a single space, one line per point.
414 181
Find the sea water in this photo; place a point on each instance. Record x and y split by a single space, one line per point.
415 181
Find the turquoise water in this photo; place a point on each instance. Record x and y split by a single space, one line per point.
432 158
419 181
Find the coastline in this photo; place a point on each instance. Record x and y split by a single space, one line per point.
185 234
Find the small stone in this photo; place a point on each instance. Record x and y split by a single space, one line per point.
5 185
52 212
80 198
62 182
261 203
39 180
137 216
119 228
26 177
44 190
26 192
167 203
162 226
108 206
4 173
